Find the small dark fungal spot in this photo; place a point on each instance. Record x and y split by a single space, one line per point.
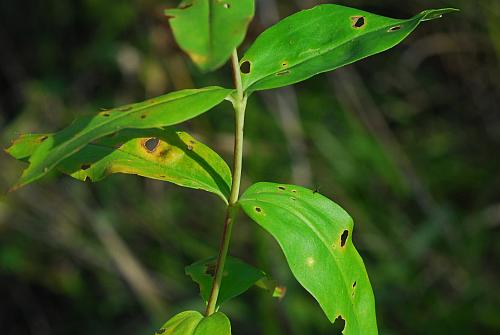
43 138
283 73
193 142
151 144
395 28
143 116
258 209
161 331
358 21
354 284
338 325
284 64
85 167
105 114
227 6
210 269
343 237
293 199
246 67
294 191
281 188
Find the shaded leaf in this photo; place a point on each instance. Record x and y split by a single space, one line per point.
209 30
162 154
238 277
315 235
193 323
322 39
162 111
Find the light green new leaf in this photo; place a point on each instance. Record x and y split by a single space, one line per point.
193 323
162 111
322 39
162 154
238 277
315 235
209 30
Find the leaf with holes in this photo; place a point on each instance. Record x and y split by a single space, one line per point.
238 277
322 39
193 323
153 153
315 235
162 111
220 27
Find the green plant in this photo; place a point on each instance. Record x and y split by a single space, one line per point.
314 233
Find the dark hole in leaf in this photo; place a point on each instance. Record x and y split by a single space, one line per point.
294 191
284 64
293 199
258 209
354 285
105 114
151 144
85 166
161 331
226 5
358 21
281 188
211 268
338 325
143 116
283 73
343 237
395 28
246 67
43 138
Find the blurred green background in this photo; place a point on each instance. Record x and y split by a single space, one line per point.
407 141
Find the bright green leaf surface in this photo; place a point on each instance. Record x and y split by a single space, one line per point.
237 278
209 30
193 323
153 153
322 39
162 111
315 235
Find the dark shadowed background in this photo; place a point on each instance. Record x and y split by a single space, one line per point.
407 141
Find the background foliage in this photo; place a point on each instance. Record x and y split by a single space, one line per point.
406 141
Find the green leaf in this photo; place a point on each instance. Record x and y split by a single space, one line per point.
193 323
162 154
322 39
238 277
315 235
162 111
209 30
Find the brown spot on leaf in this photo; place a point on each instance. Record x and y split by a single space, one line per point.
105 114
343 237
281 188
85 167
283 73
210 269
151 144
258 209
358 22
226 5
124 109
143 116
43 138
354 284
161 331
284 63
246 67
393 29
185 6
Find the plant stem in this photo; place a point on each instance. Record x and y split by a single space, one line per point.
239 104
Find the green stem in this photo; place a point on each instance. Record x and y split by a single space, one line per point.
239 104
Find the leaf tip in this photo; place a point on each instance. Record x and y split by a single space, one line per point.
432 14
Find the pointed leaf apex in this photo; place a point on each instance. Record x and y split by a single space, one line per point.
432 14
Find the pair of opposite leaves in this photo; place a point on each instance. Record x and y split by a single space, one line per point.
127 140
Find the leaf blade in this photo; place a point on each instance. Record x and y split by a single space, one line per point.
162 154
221 27
193 323
238 277
322 39
311 230
162 111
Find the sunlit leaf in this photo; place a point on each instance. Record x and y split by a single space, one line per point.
193 323
238 277
162 154
315 235
209 30
162 111
322 39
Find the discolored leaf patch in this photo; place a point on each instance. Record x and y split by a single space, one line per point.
314 234
152 153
